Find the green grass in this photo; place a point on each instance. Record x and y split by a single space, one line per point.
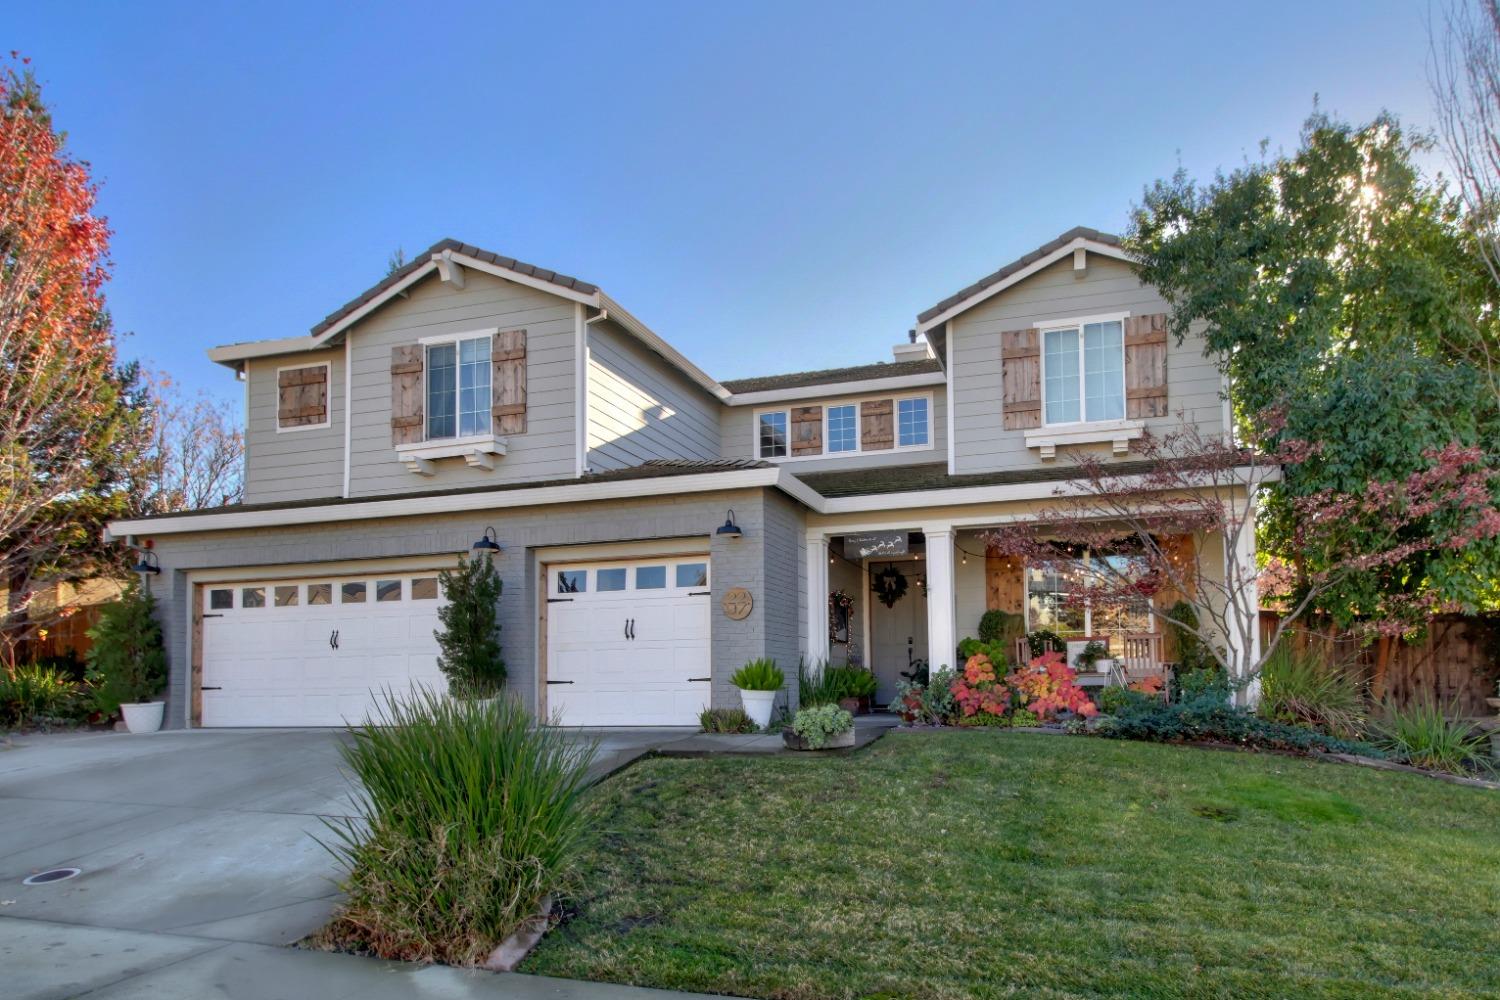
991 864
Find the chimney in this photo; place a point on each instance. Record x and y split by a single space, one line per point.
913 350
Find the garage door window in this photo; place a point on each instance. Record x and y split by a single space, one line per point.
651 578
253 597
692 574
320 593
286 597
353 593
387 591
220 600
573 581
424 588
610 580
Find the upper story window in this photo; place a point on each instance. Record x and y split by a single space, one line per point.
843 430
772 434
863 427
911 419
1083 373
458 388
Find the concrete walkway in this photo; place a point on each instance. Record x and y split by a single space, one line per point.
199 865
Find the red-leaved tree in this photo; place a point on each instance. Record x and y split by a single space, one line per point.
61 401
1127 516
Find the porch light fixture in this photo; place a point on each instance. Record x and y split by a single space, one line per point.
148 563
489 542
729 529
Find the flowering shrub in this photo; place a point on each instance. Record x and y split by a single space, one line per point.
1147 685
979 690
1047 685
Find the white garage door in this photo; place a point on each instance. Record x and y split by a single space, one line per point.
628 642
315 652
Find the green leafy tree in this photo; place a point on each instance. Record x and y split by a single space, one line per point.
1342 295
127 649
469 639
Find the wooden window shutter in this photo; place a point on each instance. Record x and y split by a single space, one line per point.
1146 366
508 383
1005 583
877 430
302 396
1021 379
807 430
407 399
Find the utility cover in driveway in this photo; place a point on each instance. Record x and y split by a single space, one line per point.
628 642
315 652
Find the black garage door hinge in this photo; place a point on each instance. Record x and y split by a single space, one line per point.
559 682
699 593
559 600
211 616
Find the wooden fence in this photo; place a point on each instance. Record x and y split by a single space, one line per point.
1456 663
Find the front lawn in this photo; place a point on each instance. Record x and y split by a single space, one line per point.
958 864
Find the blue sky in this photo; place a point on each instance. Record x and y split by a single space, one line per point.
770 186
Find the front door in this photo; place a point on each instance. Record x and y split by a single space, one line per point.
898 634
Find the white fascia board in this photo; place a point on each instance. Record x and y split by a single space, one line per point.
895 383
1042 263
234 354
622 318
358 314
540 284
565 492
1057 489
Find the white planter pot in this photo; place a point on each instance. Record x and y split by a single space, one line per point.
143 717
758 706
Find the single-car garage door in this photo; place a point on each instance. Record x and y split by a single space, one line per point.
628 642
315 652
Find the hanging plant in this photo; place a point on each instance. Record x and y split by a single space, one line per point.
840 616
889 586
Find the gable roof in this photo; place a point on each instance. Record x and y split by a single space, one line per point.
833 376
424 260
1021 266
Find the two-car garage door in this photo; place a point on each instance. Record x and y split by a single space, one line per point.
627 644
315 652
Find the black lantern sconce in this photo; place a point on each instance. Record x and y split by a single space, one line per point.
148 563
489 543
729 529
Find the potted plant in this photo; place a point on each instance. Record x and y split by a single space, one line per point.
1094 657
130 660
469 640
861 688
826 727
759 681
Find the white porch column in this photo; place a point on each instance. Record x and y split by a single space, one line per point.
815 643
942 634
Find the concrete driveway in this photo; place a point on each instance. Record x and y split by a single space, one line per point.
185 840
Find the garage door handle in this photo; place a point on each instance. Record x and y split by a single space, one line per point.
559 682
699 593
206 688
632 628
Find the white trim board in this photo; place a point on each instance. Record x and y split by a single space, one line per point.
1042 263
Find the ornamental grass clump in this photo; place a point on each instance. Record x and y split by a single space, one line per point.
470 818
759 675
1423 734
1302 688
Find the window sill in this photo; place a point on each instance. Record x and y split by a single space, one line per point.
478 452
1116 433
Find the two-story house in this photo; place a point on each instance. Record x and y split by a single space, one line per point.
656 528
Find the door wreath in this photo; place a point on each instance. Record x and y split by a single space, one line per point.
889 586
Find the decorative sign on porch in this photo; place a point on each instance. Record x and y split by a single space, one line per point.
737 603
874 544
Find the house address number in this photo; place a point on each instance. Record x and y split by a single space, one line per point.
737 603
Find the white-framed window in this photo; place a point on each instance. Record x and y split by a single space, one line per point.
1083 371
1057 599
458 387
912 422
771 434
843 428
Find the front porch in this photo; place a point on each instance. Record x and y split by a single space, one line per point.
898 598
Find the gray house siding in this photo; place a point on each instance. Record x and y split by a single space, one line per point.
761 561
300 463
548 448
641 408
981 443
738 436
